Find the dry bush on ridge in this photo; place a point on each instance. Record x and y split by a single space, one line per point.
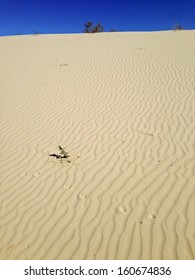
91 28
35 32
178 27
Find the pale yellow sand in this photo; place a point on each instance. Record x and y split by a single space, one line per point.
123 106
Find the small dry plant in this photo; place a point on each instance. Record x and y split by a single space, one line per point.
63 154
91 28
178 27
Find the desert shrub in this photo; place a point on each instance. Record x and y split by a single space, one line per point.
36 33
178 27
63 154
91 28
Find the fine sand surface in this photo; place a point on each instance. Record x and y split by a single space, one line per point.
123 106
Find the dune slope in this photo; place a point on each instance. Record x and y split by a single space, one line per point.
122 105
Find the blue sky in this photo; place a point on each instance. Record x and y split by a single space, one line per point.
62 16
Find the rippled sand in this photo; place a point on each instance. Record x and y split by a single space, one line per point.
122 105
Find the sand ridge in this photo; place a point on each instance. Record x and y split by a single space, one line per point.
122 106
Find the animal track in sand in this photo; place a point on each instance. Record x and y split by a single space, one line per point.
121 209
68 187
22 175
82 196
36 174
151 216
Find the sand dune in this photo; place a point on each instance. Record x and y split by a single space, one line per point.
123 106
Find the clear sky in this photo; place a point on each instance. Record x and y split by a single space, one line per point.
68 16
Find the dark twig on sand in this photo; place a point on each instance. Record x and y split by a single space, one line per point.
63 154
